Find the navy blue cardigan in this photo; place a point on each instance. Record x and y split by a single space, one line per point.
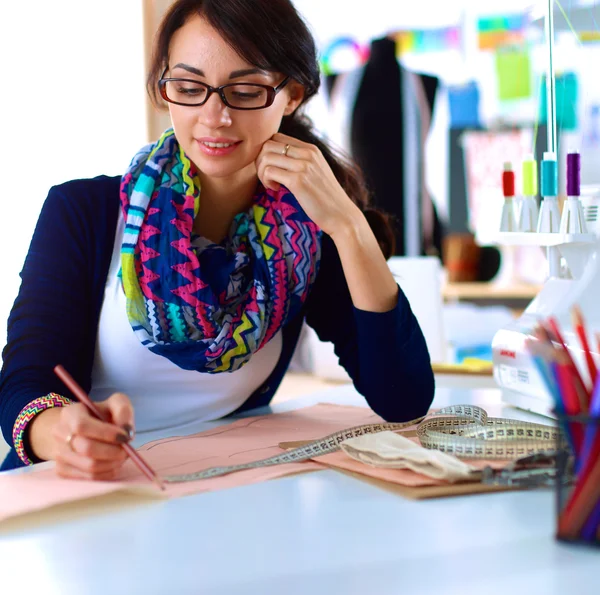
55 317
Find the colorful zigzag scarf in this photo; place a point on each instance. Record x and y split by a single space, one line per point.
205 306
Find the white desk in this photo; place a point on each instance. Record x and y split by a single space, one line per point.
315 533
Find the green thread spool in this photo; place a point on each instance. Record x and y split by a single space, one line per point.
549 175
530 178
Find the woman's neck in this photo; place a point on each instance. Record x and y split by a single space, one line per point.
221 199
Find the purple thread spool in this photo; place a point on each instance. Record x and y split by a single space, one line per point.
573 174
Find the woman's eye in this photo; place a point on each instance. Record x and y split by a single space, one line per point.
243 96
190 90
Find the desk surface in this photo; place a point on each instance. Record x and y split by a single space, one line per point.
321 532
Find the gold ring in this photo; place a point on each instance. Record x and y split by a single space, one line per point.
69 441
285 150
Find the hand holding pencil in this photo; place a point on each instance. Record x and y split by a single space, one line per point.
94 437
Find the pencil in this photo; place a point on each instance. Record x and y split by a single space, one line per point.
537 350
95 412
569 405
581 502
581 391
592 430
579 327
592 523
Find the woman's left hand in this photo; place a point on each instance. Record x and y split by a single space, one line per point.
302 169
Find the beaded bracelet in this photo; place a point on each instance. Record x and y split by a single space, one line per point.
27 414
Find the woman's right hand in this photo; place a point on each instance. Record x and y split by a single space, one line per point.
83 446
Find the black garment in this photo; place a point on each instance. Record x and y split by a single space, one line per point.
378 138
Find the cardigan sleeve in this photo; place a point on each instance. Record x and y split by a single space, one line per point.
49 322
385 354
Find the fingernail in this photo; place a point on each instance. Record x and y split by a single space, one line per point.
130 431
123 438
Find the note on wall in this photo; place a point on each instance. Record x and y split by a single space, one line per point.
513 68
567 97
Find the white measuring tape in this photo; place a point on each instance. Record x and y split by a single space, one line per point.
319 447
462 430
466 431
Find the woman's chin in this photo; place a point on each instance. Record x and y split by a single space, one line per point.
220 167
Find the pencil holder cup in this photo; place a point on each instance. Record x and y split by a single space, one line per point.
578 481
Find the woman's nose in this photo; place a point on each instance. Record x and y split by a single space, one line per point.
214 113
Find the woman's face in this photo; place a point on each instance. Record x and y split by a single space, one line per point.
198 52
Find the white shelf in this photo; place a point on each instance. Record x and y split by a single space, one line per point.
523 238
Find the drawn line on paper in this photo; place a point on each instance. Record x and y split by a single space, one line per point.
203 435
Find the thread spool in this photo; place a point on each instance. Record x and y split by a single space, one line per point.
528 214
508 221
573 217
530 181
508 180
549 217
549 175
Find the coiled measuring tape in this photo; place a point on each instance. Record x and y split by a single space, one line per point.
468 433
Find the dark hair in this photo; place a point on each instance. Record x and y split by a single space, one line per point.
270 34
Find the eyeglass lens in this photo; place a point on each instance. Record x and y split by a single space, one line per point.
192 93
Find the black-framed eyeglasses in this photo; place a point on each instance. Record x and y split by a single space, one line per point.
244 96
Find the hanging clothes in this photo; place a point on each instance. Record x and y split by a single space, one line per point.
381 115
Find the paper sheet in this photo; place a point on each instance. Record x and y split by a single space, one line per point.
244 440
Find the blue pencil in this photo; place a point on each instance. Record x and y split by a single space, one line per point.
592 428
592 524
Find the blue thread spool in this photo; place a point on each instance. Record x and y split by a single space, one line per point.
549 174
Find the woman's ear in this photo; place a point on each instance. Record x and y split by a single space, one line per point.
295 93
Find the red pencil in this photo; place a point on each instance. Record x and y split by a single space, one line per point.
568 392
582 391
95 412
579 327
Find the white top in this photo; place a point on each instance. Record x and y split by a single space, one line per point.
163 395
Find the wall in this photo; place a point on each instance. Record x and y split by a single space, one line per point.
72 105
72 96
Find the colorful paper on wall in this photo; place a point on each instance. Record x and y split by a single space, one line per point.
430 40
514 75
485 153
567 96
464 106
501 31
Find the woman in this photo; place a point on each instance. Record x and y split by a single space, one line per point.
184 284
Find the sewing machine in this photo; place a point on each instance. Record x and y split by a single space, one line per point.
573 279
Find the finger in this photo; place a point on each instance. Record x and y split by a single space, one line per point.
121 412
286 162
293 151
289 140
276 175
87 464
68 471
76 420
93 449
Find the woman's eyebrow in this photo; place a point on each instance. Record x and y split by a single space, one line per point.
247 71
233 75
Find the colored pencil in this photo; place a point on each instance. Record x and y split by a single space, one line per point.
591 432
582 501
592 523
95 412
570 403
579 327
580 388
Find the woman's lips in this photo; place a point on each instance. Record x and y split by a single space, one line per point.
217 147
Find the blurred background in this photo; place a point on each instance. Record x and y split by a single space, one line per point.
429 97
